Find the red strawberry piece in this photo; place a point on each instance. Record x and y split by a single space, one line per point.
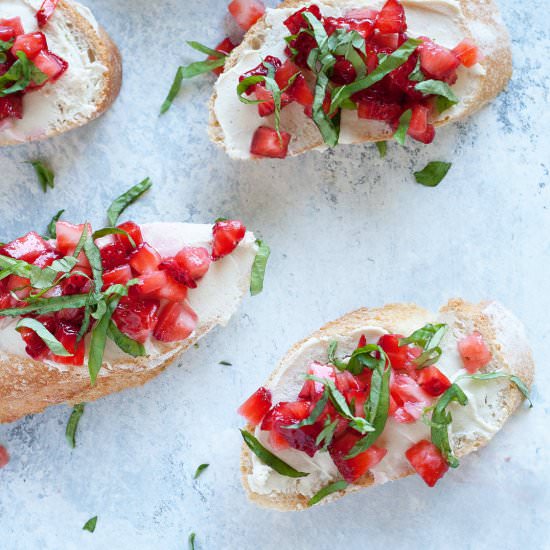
31 44
77 283
225 46
11 106
419 127
296 21
113 255
362 20
145 259
285 72
256 406
388 41
301 92
68 235
362 341
428 462
27 248
267 105
312 390
172 290
34 345
345 381
136 317
358 398
246 12
118 276
4 455
303 43
401 357
177 321
67 334
20 286
260 70
151 282
227 235
468 53
474 352
409 398
374 109
433 381
50 64
391 18
171 267
437 61
46 11
46 258
354 468
343 72
14 24
134 231
266 143
194 261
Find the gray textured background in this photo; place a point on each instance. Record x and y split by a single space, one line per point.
347 230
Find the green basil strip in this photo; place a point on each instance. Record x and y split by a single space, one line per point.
268 458
519 383
439 88
51 232
98 341
200 470
382 147
47 305
225 363
427 358
191 541
126 199
205 49
433 173
20 75
112 231
55 346
94 257
90 525
246 83
326 491
389 64
258 268
404 121
46 177
72 424
327 433
441 419
124 342
366 357
315 413
64 265
428 336
416 74
39 278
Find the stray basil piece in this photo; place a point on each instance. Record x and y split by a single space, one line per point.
404 121
433 173
191 541
326 491
382 147
200 470
259 267
72 424
126 199
90 525
124 342
516 380
46 177
225 363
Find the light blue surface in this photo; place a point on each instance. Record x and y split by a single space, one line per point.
347 230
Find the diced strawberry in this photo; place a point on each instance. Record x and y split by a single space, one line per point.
227 235
285 72
358 398
345 381
11 106
296 21
4 455
14 24
172 268
194 260
68 235
256 406
134 231
46 258
118 276
374 109
67 334
246 12
474 352
419 127
113 255
267 105
468 53
34 345
312 390
361 14
136 318
354 468
172 290
433 381
409 397
303 45
364 379
266 143
6 33
31 44
387 40
438 61
78 283
20 286
428 462
343 71
225 46
301 92
26 248
177 321
401 357
391 18
260 70
145 259
151 282
50 64
46 11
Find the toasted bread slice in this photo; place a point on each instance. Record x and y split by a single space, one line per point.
501 331
88 87
476 19
28 386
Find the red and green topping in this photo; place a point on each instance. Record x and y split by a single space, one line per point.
26 62
363 61
344 405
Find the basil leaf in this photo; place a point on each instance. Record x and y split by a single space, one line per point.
45 176
39 278
521 386
64 265
363 357
94 257
124 342
21 73
98 341
242 87
205 49
72 424
113 231
428 336
126 199
191 541
51 232
433 173
326 491
4 47
258 268
329 127
327 433
47 305
439 88
428 358
90 525
200 470
55 346
268 458
417 75
401 133
382 147
225 363
315 413
441 419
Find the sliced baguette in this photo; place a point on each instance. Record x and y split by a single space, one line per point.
481 21
501 331
28 386
89 86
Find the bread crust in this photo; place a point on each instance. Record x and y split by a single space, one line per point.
485 317
497 64
105 51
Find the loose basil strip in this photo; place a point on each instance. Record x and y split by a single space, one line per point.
382 147
5 46
315 413
51 232
113 231
41 306
386 66
268 458
200 470
371 356
225 363
428 336
404 121
440 89
441 419
72 424
124 342
55 346
94 257
327 433
39 278
20 75
326 491
191 541
126 199
494 375
258 268
46 177
433 173
90 525
98 341
416 74
205 49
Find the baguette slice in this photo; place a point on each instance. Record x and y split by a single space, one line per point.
501 331
476 19
28 386
86 90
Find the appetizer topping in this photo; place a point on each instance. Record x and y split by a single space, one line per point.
72 424
200 470
474 352
246 12
90 525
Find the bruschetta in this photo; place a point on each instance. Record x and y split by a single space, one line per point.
58 69
86 313
381 394
313 75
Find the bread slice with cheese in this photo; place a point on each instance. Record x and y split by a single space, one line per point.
490 402
28 386
233 123
88 87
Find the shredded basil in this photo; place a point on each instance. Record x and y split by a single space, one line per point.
98 341
382 147
404 121
416 74
326 491
205 49
5 46
124 342
126 199
90 525
521 386
51 232
191 541
41 306
200 470
433 173
225 363
72 424
258 268
446 97
20 75
55 346
315 413
327 433
113 231
46 177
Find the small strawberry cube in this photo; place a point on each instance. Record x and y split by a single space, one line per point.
375 109
27 248
67 334
428 462
225 46
172 290
46 11
419 127
227 236
256 406
145 259
113 255
343 72
468 53
433 381
20 286
177 321
46 259
136 318
474 352
345 381
358 398
285 72
34 345
301 93
391 18
312 390
173 269
387 40
14 24
401 357
296 21
50 64
409 397
11 106
134 231
6 33
31 44
266 143
77 283
4 455
118 276
68 235
194 260
151 282
438 61
246 12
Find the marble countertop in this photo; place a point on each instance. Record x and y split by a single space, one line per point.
356 231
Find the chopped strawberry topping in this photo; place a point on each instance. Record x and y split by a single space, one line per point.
11 106
474 352
256 406
428 462
118 276
225 46
409 398
401 357
391 18
67 334
296 21
145 259
437 61
4 456
343 72
133 231
433 381
14 25
32 44
34 345
246 12
136 318
227 235
177 321
266 143
312 390
113 255
50 64
419 127
27 248
46 11
194 261
468 53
